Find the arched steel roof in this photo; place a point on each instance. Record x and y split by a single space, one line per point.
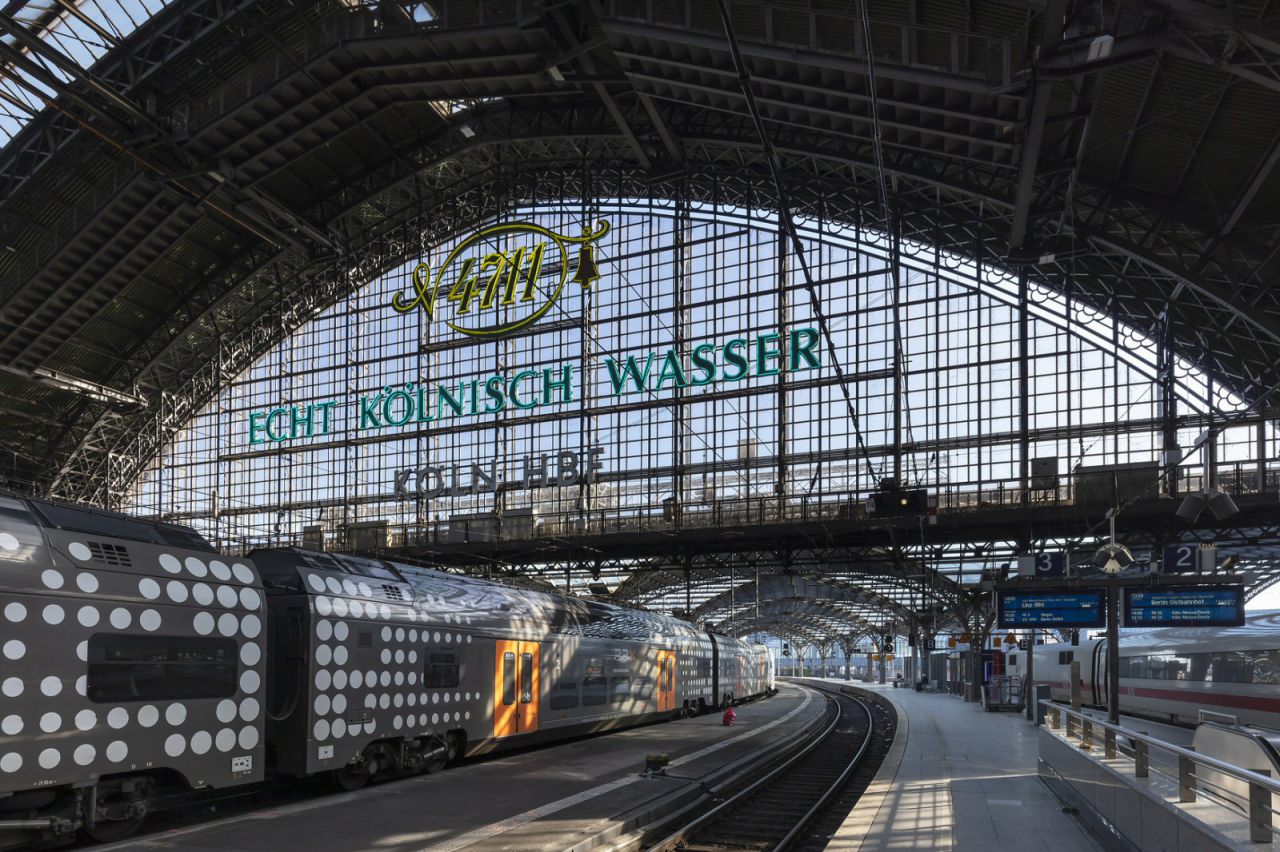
235 166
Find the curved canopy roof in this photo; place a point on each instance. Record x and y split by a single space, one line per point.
234 166
191 190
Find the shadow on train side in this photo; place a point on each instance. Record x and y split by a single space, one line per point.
138 663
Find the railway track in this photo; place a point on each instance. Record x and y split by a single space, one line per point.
800 803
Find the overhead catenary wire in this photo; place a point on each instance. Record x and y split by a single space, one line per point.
793 236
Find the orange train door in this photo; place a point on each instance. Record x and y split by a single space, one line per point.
666 681
515 688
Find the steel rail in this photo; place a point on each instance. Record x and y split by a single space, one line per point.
672 840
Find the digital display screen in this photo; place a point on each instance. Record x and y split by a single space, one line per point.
1053 609
1184 606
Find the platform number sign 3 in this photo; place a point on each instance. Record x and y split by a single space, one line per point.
1051 564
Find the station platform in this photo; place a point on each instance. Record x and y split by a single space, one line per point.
958 778
549 798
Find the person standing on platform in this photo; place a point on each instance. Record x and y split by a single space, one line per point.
730 718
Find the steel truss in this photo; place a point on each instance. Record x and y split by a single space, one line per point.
242 166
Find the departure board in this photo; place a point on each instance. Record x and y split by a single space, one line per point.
1080 608
1184 606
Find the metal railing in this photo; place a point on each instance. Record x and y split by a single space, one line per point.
1191 772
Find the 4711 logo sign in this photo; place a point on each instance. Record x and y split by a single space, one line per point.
498 277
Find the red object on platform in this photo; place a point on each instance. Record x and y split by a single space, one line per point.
729 717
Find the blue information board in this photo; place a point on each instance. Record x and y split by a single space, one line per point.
1184 606
1083 608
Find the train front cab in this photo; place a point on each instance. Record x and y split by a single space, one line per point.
131 666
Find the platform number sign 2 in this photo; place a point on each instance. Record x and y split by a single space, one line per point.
1188 557
1051 564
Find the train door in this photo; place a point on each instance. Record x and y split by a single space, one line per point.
666 681
515 688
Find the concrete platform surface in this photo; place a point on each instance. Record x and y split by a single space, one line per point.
963 779
542 798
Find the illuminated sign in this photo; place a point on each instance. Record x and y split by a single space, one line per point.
1052 609
497 278
1185 606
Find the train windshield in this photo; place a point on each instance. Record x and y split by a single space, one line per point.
117 526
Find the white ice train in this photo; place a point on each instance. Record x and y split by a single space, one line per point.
1171 674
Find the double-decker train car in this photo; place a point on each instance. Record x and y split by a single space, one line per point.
131 661
1171 674
139 662
391 667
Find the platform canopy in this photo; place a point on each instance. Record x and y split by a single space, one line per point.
184 185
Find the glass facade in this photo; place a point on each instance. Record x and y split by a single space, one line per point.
690 383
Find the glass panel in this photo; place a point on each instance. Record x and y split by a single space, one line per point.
160 668
442 670
594 691
1266 666
1230 667
564 696
621 689
508 678
526 678
97 523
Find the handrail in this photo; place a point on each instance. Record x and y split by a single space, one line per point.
1212 762
1260 809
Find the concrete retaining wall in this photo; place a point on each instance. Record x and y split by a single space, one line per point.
1127 814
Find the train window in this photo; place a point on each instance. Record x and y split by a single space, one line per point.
643 688
160 668
1230 667
526 678
620 689
1013 659
98 523
1065 658
564 696
595 690
1266 666
508 678
371 568
442 670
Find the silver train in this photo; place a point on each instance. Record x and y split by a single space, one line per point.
136 661
1171 674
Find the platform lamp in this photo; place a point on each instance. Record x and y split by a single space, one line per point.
1217 500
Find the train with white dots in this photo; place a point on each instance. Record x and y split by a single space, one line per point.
1172 674
136 661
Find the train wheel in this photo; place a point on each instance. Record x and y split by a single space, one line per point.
121 809
443 758
349 778
114 830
